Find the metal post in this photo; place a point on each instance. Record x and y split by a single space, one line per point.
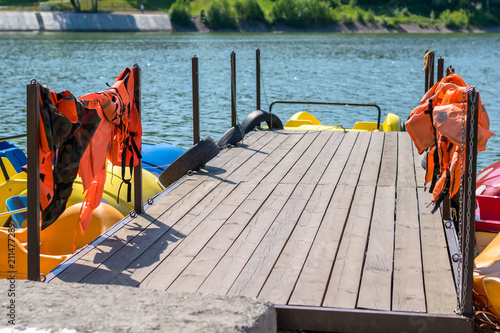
233 89
33 117
469 202
429 72
257 74
450 70
196 101
447 208
426 77
138 169
440 71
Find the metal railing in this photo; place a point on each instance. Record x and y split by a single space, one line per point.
379 114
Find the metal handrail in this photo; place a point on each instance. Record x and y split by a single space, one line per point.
330 103
18 136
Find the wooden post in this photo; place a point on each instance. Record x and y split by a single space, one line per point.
440 71
33 117
429 72
233 89
257 76
469 203
196 101
138 169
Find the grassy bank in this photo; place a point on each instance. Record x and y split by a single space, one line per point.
219 14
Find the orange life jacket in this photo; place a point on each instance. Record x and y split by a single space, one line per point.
436 125
78 135
66 128
118 138
93 166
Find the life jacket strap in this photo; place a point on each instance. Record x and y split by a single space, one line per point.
445 191
435 172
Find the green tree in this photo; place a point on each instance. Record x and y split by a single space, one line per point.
180 13
250 10
220 15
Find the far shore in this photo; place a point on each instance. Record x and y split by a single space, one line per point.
357 27
149 21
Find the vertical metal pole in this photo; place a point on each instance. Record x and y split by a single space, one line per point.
33 117
440 72
138 169
429 72
257 74
447 208
426 76
233 89
469 203
196 101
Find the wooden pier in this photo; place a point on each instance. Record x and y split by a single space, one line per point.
334 228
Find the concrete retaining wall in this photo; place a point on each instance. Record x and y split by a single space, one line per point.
18 21
55 21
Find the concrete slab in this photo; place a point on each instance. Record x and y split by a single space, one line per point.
72 307
18 21
105 22
55 21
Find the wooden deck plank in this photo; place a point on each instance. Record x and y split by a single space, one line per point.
336 166
345 278
376 284
180 256
312 282
350 175
318 168
137 242
289 160
270 149
279 286
139 267
302 165
138 273
153 212
439 284
240 155
164 226
77 273
193 276
225 156
269 164
281 281
229 267
388 169
406 167
371 165
256 270
331 219
419 170
289 148
408 285
313 278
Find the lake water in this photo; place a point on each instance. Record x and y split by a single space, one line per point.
385 69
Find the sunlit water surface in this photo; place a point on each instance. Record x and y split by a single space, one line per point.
385 69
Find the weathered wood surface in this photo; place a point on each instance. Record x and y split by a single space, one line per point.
331 219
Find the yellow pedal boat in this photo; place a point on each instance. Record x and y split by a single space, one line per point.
58 240
306 121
